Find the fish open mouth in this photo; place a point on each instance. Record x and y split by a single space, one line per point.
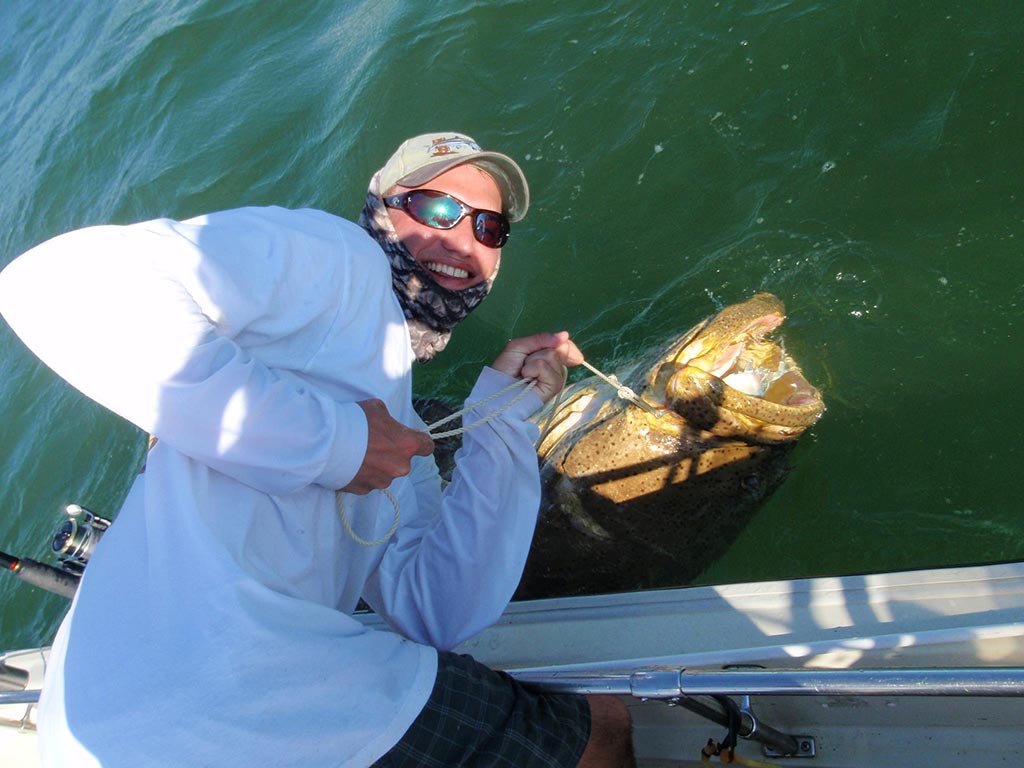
760 367
727 376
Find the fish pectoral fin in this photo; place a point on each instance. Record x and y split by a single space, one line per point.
569 502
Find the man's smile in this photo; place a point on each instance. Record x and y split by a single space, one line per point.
444 269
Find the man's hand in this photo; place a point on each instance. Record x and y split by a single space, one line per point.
390 447
543 357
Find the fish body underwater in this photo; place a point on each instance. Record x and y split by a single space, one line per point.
643 498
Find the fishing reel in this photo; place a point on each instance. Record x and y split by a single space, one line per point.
76 539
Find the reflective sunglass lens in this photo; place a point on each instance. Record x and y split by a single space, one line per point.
442 212
490 230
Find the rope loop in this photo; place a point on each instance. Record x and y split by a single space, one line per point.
339 503
621 390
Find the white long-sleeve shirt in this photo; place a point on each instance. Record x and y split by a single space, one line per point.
213 623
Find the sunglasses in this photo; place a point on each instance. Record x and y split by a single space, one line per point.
442 211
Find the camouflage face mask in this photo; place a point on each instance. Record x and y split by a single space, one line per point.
431 311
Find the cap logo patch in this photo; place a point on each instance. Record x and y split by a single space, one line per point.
443 146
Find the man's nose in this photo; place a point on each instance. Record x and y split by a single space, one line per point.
459 239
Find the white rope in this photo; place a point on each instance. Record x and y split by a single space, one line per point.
527 384
624 392
339 501
355 536
530 384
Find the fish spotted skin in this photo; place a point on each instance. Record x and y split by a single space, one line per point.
633 501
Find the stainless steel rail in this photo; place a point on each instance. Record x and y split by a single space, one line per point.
678 686
669 683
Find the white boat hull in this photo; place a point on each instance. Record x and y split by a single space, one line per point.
946 618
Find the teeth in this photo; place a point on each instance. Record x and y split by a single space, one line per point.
444 269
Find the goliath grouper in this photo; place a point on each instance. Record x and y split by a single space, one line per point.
635 500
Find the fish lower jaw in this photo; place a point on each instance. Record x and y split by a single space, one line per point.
444 269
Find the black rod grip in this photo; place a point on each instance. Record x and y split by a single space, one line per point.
42 575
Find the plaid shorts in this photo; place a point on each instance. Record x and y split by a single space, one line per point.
478 717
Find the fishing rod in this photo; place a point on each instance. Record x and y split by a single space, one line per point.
73 544
41 575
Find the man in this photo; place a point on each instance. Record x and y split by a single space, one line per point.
270 353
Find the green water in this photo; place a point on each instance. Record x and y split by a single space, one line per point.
861 160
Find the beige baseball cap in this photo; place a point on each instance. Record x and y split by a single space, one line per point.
422 158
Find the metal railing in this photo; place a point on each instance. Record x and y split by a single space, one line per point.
679 687
668 683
